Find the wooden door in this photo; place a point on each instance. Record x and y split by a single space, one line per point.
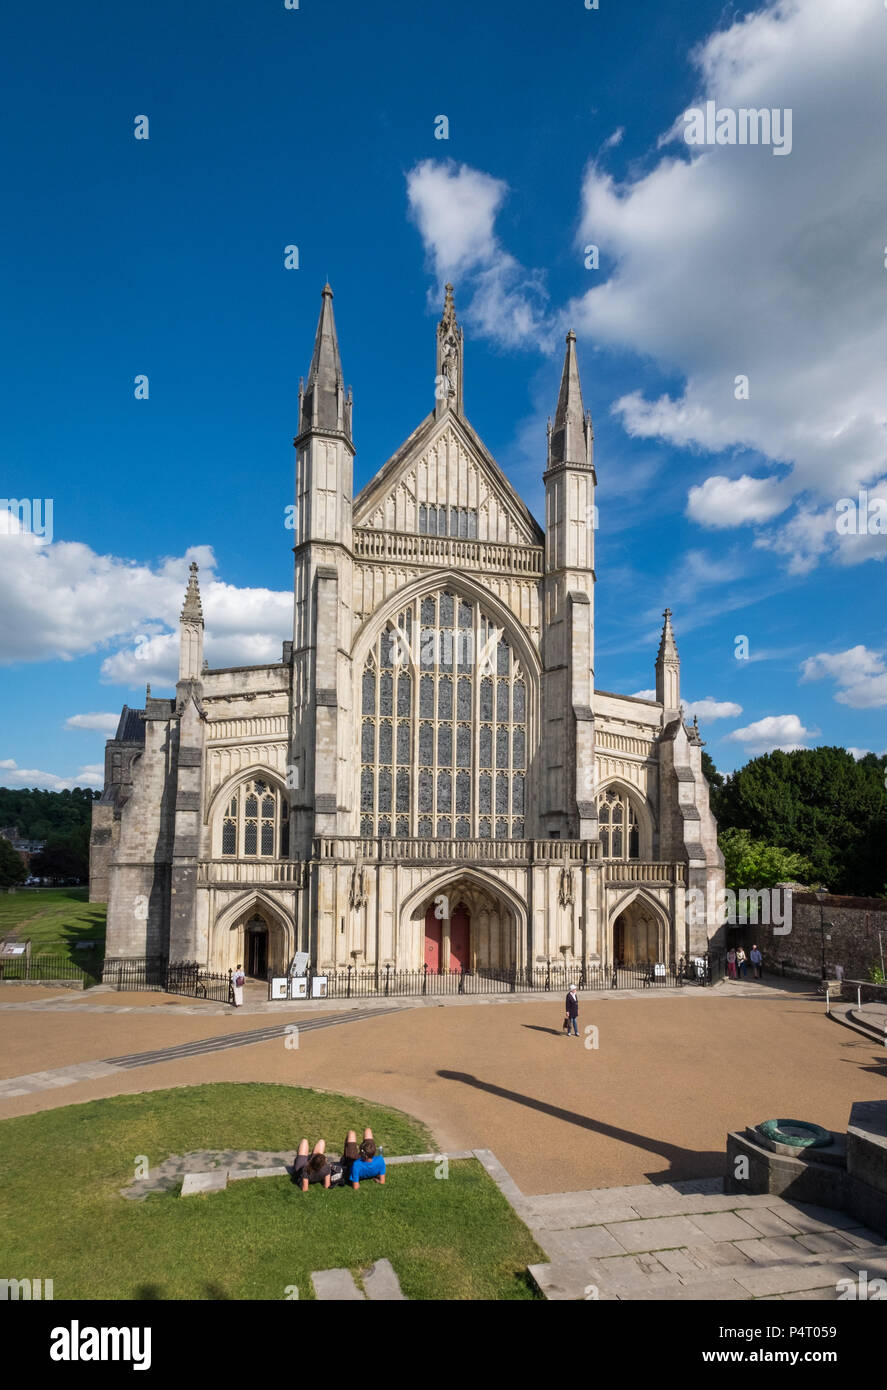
460 939
258 955
433 939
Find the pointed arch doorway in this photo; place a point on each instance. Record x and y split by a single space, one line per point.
256 947
639 935
447 940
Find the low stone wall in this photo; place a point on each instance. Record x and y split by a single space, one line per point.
850 927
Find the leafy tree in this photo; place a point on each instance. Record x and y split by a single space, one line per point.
752 863
12 866
37 814
819 803
64 856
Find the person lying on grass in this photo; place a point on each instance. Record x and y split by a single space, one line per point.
316 1167
368 1163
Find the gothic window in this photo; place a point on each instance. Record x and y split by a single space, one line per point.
256 821
619 830
443 736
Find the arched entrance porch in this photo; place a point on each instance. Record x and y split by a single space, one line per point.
465 923
640 934
255 933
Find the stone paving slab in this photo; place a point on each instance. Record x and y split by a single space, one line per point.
568 1281
713 1291
659 1233
587 1241
204 1182
58 1076
861 1235
717 1255
767 1221
766 1250
335 1285
810 1219
785 1279
823 1295
722 1225
382 1284
277 1172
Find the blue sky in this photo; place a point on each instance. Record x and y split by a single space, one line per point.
315 127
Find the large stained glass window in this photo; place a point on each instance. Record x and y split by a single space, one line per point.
255 823
620 837
443 737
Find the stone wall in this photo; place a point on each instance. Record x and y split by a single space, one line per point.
851 927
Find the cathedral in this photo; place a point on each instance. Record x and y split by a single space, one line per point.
428 776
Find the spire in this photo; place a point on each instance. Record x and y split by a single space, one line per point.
668 667
191 631
192 611
571 437
448 380
323 404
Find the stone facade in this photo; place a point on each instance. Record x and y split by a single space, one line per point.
429 775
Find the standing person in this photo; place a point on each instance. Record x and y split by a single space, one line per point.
756 959
239 982
741 962
731 963
572 1007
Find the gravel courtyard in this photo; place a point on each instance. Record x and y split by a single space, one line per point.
653 1101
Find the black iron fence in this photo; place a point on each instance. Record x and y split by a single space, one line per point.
360 983
172 977
48 968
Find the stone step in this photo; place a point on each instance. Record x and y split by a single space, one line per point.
629 1278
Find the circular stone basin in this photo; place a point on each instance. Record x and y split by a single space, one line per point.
797 1134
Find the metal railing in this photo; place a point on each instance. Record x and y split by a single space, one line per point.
48 968
353 982
176 977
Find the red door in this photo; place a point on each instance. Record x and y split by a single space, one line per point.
433 938
460 935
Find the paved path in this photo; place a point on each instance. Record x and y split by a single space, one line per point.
109 1066
692 1241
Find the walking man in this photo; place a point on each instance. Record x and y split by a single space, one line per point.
572 1010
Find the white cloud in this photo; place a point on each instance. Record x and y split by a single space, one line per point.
784 731
720 502
860 674
644 695
103 723
731 262
11 775
710 709
63 601
455 208
864 752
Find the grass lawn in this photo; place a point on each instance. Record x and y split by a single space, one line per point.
55 919
63 1217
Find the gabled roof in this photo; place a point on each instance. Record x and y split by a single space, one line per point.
375 491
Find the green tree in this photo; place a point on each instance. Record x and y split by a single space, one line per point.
64 856
12 866
752 863
819 803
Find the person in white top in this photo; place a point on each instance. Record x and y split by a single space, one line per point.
239 981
